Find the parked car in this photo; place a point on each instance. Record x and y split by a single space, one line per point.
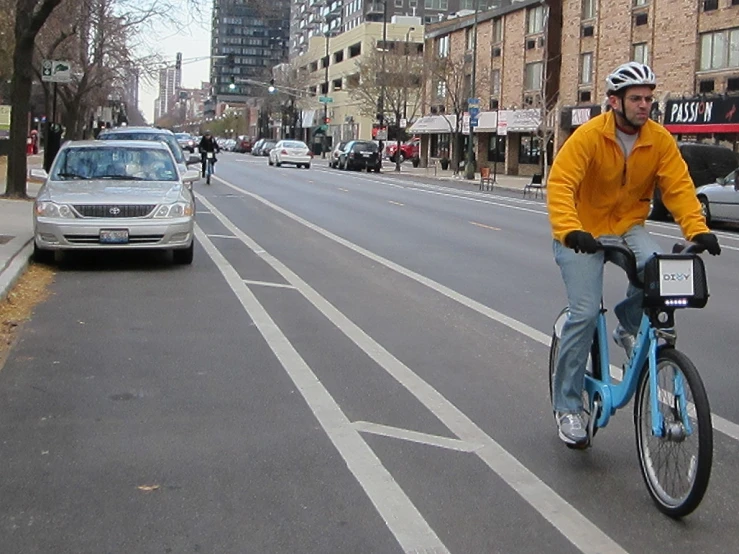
291 152
267 146
114 195
243 145
153 134
334 161
408 150
361 154
720 200
186 141
257 147
706 163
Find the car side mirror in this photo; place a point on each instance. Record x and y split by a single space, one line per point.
193 159
38 175
721 181
190 176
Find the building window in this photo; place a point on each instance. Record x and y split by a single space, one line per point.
496 149
720 50
467 5
535 22
532 79
588 9
442 46
732 84
440 90
497 30
638 3
495 83
586 68
469 39
706 86
398 3
530 150
436 5
710 5
641 19
641 53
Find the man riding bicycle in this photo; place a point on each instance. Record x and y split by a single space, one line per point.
208 144
601 183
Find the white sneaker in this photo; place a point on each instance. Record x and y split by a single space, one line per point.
624 339
571 428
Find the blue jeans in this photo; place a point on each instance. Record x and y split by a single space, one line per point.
583 278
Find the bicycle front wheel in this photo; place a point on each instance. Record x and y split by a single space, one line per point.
676 466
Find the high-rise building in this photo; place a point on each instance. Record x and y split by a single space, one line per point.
318 17
167 86
247 40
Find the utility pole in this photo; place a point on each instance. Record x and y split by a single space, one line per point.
381 103
324 141
469 166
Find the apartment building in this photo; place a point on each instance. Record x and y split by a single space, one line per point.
328 69
692 45
311 18
517 69
247 40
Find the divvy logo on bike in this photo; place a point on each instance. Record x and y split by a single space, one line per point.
676 277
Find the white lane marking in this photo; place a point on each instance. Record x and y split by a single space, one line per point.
484 226
400 515
723 246
415 436
561 514
214 236
728 428
267 284
394 202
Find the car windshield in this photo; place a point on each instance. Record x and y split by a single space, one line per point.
134 164
294 144
166 138
366 146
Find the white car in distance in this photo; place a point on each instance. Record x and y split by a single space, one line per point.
291 152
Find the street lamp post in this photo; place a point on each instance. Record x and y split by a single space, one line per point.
381 103
469 167
405 92
324 141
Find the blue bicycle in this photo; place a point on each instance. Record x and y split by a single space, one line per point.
672 416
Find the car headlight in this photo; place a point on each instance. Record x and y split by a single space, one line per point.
178 209
52 209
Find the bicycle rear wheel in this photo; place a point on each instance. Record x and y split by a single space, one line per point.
677 466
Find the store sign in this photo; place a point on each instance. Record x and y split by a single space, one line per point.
580 116
699 115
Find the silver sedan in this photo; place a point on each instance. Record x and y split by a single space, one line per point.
720 200
114 195
290 152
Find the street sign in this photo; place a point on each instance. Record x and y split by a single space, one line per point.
325 99
473 121
56 71
474 111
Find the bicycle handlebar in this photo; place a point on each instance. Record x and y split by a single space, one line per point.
616 245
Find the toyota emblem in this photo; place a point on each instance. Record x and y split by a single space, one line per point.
115 210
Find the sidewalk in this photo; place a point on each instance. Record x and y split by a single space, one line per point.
16 231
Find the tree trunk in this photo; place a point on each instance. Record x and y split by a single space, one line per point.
20 98
397 146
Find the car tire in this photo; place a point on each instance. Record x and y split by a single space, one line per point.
184 256
41 256
705 208
269 162
307 166
278 164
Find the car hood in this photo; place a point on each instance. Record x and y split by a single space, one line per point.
713 188
106 191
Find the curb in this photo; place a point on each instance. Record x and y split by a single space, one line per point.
15 268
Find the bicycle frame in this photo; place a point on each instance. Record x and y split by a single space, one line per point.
613 395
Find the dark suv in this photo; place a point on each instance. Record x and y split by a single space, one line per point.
361 154
706 163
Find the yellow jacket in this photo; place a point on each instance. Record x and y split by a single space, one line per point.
591 187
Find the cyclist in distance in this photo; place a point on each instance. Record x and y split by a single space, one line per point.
208 144
601 183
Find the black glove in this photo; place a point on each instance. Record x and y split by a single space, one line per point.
709 241
581 241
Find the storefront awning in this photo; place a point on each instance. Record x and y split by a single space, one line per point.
523 121
487 122
697 115
434 124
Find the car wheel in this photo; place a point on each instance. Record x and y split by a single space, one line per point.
270 161
705 209
184 256
41 256
402 158
278 164
307 166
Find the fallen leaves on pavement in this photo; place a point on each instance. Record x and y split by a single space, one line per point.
17 307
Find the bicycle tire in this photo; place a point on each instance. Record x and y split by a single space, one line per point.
699 411
592 367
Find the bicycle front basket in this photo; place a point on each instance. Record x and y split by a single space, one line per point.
675 281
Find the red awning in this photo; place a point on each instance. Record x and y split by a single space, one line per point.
689 129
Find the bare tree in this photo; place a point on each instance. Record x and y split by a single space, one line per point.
30 16
390 80
450 79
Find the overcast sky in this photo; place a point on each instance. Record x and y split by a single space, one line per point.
192 38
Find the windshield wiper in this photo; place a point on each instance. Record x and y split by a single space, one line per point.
72 176
120 177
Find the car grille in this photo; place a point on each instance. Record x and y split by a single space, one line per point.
114 210
95 239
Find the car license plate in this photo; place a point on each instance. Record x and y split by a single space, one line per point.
114 236
365 155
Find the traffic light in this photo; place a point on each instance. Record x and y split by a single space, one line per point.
327 120
232 86
178 61
271 88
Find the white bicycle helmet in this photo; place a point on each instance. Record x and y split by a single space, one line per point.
630 74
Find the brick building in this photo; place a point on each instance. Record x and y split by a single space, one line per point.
541 69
